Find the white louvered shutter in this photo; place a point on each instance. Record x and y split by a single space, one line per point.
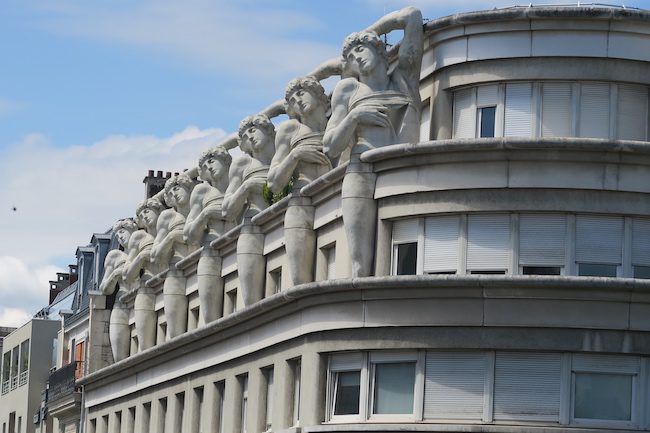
632 118
441 245
527 386
541 239
464 114
518 111
487 96
488 242
599 239
605 364
406 230
594 110
454 384
556 110
346 361
641 241
425 123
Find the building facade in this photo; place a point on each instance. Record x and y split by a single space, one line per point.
510 256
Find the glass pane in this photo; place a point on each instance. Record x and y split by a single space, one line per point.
603 396
394 385
642 272
348 387
541 270
596 270
407 258
487 121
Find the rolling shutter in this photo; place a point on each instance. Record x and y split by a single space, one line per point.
632 112
518 110
454 385
464 114
487 96
488 242
346 361
541 240
599 239
441 243
640 242
527 386
406 230
556 110
605 364
594 110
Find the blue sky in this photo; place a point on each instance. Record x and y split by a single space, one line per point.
94 93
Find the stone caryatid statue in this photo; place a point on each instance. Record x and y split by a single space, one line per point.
139 269
370 109
205 223
169 248
114 265
247 177
299 153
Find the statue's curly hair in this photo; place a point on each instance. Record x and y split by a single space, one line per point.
260 121
181 179
126 223
365 37
218 152
150 203
310 84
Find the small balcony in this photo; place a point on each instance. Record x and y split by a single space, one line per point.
5 387
22 379
62 381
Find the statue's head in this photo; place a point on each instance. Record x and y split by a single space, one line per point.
304 95
255 133
123 230
214 163
147 213
178 189
364 51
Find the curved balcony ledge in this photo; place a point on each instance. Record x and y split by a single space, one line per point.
520 427
425 300
562 144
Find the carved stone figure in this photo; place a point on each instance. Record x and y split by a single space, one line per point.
139 269
375 109
205 223
247 177
169 247
299 153
114 265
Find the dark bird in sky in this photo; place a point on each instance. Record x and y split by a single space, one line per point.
15 209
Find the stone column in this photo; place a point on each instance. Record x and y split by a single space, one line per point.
300 238
175 302
250 262
312 392
210 284
145 316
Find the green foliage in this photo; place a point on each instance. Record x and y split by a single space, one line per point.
271 198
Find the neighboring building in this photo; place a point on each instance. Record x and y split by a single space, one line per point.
24 373
4 331
524 213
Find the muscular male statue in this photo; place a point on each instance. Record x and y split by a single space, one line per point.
205 223
299 153
374 109
169 248
114 265
247 177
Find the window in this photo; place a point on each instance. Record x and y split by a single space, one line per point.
295 366
604 387
275 277
179 411
383 382
230 305
488 243
542 243
243 385
405 247
219 388
599 245
161 415
641 247
197 410
486 119
130 421
330 254
556 110
267 373
193 319
79 359
146 416
594 110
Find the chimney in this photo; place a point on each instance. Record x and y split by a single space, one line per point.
153 184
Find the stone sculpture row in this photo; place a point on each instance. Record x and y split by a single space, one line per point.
371 106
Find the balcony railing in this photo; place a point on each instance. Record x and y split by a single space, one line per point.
14 382
62 381
22 379
5 387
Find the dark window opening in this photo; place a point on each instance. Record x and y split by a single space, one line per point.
486 121
541 270
407 258
488 272
596 270
642 272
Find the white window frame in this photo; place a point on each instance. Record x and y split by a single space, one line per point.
418 239
332 383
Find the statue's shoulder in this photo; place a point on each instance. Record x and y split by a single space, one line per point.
115 256
199 191
346 86
240 163
137 237
288 127
167 215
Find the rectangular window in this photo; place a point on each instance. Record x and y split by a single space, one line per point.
230 304
243 384
599 245
642 272
179 411
162 415
518 110
276 280
488 243
464 115
295 366
632 118
219 389
556 110
345 384
441 246
594 110
405 237
330 254
394 384
406 258
197 410
425 122
486 121
130 420
541 270
146 416
193 319
542 243
641 247
268 376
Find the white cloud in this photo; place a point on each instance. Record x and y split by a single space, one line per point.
240 40
24 289
63 195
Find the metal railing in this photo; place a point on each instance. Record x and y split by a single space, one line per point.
5 387
14 382
62 381
22 379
